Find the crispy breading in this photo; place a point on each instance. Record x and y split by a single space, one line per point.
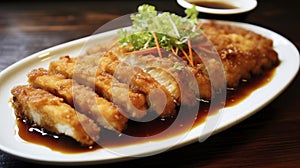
131 83
133 103
141 81
243 53
51 113
169 72
105 113
230 54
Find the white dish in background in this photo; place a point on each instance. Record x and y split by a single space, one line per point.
14 75
241 6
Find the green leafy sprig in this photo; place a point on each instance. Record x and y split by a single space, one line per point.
167 30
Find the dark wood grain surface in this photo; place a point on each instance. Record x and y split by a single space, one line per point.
270 138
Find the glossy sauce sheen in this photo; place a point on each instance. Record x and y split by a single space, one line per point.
215 5
65 144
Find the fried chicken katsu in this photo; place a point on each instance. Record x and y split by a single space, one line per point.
105 113
178 81
133 103
110 87
225 56
141 81
244 53
50 112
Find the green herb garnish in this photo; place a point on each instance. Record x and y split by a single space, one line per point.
169 31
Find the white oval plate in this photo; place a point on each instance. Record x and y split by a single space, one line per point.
242 6
16 74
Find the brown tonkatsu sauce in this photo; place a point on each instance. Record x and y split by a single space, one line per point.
215 5
144 130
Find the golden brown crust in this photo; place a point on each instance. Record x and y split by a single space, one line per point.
141 81
51 113
168 71
243 52
105 113
133 103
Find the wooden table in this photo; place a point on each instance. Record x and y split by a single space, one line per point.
270 138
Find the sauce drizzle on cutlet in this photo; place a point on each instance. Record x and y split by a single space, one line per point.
64 144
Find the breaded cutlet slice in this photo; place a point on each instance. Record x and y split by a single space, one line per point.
244 53
163 70
133 103
50 112
141 81
83 98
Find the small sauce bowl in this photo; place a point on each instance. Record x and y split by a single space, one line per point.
220 7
